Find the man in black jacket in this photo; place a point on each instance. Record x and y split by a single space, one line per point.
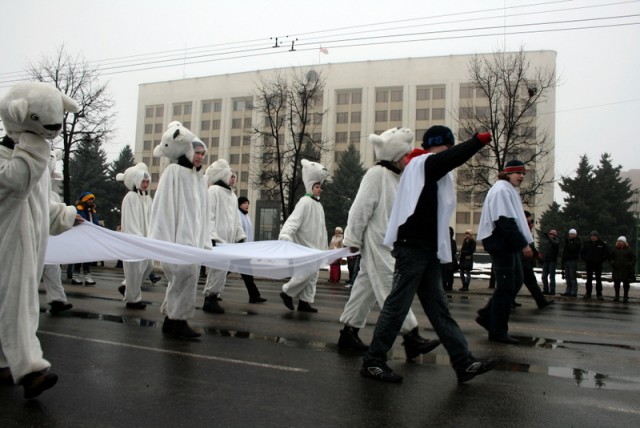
570 256
594 252
418 229
549 247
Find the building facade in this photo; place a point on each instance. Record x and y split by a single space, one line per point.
359 98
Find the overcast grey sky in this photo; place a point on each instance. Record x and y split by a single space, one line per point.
598 97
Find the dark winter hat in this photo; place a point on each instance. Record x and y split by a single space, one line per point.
438 135
242 200
594 233
514 165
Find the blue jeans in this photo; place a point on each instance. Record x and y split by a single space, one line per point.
507 267
417 270
549 277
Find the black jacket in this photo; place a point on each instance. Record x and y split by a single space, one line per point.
421 228
571 250
594 252
506 236
549 247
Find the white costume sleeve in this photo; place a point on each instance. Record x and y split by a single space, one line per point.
61 217
133 219
362 209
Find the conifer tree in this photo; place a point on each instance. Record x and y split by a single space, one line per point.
339 194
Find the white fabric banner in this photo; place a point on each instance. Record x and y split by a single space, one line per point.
87 242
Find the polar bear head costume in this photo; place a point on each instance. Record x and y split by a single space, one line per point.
312 173
392 144
133 176
35 107
219 171
177 141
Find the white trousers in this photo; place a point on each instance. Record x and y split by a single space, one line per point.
20 349
180 299
303 288
216 280
52 281
134 275
370 288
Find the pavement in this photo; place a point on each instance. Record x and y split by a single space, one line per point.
578 364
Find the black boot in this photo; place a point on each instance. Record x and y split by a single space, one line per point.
414 344
36 383
182 330
350 341
306 307
211 305
58 306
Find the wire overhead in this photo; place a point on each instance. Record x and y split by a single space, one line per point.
372 34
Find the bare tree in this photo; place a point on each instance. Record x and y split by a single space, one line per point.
507 92
76 78
289 112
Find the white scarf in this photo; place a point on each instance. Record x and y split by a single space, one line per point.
409 189
503 200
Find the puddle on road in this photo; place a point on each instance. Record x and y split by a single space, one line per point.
581 377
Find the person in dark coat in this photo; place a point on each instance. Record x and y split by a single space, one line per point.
449 269
594 252
570 256
622 268
549 247
466 259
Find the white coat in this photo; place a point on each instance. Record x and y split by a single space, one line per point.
179 214
305 226
26 220
134 219
366 228
224 227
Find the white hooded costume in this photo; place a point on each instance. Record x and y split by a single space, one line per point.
27 218
52 274
179 214
306 226
134 219
367 225
224 219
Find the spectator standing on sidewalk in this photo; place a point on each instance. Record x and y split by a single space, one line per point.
570 256
549 247
594 252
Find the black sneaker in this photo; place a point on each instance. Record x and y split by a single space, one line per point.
473 367
153 278
257 300
182 330
379 371
122 289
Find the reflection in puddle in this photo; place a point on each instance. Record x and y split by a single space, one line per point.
582 378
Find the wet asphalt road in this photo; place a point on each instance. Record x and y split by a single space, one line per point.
264 366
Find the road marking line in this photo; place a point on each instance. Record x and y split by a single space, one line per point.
187 354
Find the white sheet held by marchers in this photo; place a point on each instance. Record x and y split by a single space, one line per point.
270 259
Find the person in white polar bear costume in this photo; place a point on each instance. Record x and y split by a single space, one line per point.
31 112
366 227
134 219
306 226
179 215
224 227
52 274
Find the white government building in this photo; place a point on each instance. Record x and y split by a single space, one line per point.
360 98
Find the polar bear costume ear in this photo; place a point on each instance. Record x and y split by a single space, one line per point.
18 110
312 173
392 144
